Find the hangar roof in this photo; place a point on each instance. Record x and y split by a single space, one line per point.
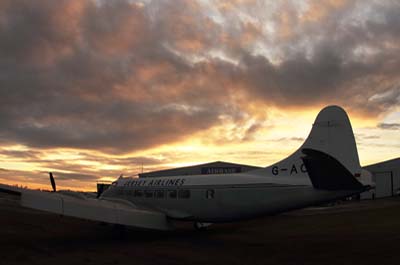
218 167
221 167
392 164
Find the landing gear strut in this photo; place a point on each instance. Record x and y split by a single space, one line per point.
201 226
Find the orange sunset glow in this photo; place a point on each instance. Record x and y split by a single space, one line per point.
91 89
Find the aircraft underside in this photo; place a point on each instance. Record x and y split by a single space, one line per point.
226 204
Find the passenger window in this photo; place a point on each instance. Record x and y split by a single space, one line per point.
210 194
148 193
138 193
172 194
184 194
159 194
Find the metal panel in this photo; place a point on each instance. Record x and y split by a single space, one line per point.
367 195
384 184
396 181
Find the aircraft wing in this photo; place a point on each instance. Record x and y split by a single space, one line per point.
114 212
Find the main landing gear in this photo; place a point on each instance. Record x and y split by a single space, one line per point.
201 226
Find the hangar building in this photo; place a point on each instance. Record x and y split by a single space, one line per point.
218 167
385 174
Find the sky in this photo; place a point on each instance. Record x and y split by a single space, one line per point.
93 89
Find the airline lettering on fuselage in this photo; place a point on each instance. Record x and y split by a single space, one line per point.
293 169
164 182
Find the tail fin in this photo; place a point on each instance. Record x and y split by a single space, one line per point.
331 134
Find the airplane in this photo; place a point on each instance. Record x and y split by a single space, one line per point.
324 169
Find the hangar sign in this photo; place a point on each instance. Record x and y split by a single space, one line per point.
220 170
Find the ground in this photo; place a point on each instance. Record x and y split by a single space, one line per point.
365 233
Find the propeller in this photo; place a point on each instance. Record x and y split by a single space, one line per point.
52 181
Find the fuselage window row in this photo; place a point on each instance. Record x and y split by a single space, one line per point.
160 194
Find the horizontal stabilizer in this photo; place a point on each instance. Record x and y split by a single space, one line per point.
327 173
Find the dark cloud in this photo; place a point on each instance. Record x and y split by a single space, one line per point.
73 176
346 56
366 139
285 139
118 76
116 88
127 161
388 98
372 137
22 176
389 126
14 154
63 180
82 164
249 133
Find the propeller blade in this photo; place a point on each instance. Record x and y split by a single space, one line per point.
52 181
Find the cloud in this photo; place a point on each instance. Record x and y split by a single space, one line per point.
41 179
123 76
373 137
73 176
99 95
15 154
388 98
285 139
333 60
389 126
77 170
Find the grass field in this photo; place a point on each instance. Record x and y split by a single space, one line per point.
366 232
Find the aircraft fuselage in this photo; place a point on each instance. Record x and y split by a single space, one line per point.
221 198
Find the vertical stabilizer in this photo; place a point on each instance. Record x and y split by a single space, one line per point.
332 134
